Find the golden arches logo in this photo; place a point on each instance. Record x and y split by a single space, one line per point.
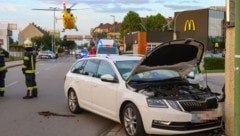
189 25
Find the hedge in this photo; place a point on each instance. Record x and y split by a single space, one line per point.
211 63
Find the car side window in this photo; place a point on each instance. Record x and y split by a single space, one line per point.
78 67
105 68
90 68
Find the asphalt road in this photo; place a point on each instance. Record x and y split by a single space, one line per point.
47 115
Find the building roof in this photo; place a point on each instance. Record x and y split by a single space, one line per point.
32 30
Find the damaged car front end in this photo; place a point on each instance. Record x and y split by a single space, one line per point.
174 105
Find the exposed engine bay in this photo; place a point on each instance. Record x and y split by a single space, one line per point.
174 90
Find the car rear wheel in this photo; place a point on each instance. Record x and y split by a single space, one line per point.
73 102
132 121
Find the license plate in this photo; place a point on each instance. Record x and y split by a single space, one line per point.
202 116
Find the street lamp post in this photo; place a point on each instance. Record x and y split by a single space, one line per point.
175 22
54 23
174 29
113 23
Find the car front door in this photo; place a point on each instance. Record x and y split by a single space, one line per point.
104 94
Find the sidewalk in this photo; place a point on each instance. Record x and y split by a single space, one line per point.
10 64
117 130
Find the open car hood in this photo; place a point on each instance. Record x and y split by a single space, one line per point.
177 55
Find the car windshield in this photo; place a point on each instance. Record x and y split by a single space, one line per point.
107 50
45 52
125 67
155 75
84 51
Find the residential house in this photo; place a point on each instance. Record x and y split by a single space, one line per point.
32 30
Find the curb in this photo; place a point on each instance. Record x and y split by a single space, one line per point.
11 64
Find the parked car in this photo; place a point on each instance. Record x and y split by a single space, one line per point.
148 95
82 53
46 55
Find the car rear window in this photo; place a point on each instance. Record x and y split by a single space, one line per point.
107 50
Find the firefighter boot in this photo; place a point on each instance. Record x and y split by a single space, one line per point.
29 95
1 93
35 93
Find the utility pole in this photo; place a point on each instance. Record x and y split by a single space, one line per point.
175 23
237 70
113 24
54 25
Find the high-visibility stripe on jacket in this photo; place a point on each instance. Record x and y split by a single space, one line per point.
29 62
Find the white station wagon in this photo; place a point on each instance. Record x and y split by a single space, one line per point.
148 95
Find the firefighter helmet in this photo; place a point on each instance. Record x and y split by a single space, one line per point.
27 43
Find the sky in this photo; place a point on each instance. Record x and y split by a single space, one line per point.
91 12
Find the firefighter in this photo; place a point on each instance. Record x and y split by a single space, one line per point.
28 69
3 69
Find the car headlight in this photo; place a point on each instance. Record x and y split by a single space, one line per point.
174 105
157 103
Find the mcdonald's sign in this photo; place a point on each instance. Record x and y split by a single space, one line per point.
189 25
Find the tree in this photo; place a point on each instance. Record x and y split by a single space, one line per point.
155 23
98 35
69 45
131 23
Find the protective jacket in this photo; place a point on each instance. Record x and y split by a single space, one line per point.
3 54
29 62
3 70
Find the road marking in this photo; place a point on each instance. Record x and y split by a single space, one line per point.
11 84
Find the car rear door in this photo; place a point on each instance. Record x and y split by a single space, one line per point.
84 82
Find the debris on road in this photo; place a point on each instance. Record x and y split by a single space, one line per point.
48 113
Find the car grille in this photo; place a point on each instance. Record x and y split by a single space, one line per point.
199 105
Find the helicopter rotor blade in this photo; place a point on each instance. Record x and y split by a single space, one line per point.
73 5
80 9
50 9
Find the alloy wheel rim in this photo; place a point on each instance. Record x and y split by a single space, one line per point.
130 121
72 101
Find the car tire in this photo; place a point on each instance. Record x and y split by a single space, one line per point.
73 104
132 121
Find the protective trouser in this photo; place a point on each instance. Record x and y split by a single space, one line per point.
2 82
31 85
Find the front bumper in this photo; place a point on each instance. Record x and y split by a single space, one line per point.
168 121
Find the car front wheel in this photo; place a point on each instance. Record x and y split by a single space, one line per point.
73 102
132 121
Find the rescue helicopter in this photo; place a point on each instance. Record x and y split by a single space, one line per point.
69 21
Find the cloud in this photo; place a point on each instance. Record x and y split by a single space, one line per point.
192 2
181 7
9 7
108 6
93 2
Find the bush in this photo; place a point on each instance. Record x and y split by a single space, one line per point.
11 58
211 63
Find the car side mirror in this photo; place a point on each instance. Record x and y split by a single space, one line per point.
191 75
108 78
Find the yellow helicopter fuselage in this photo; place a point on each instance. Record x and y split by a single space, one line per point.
68 20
